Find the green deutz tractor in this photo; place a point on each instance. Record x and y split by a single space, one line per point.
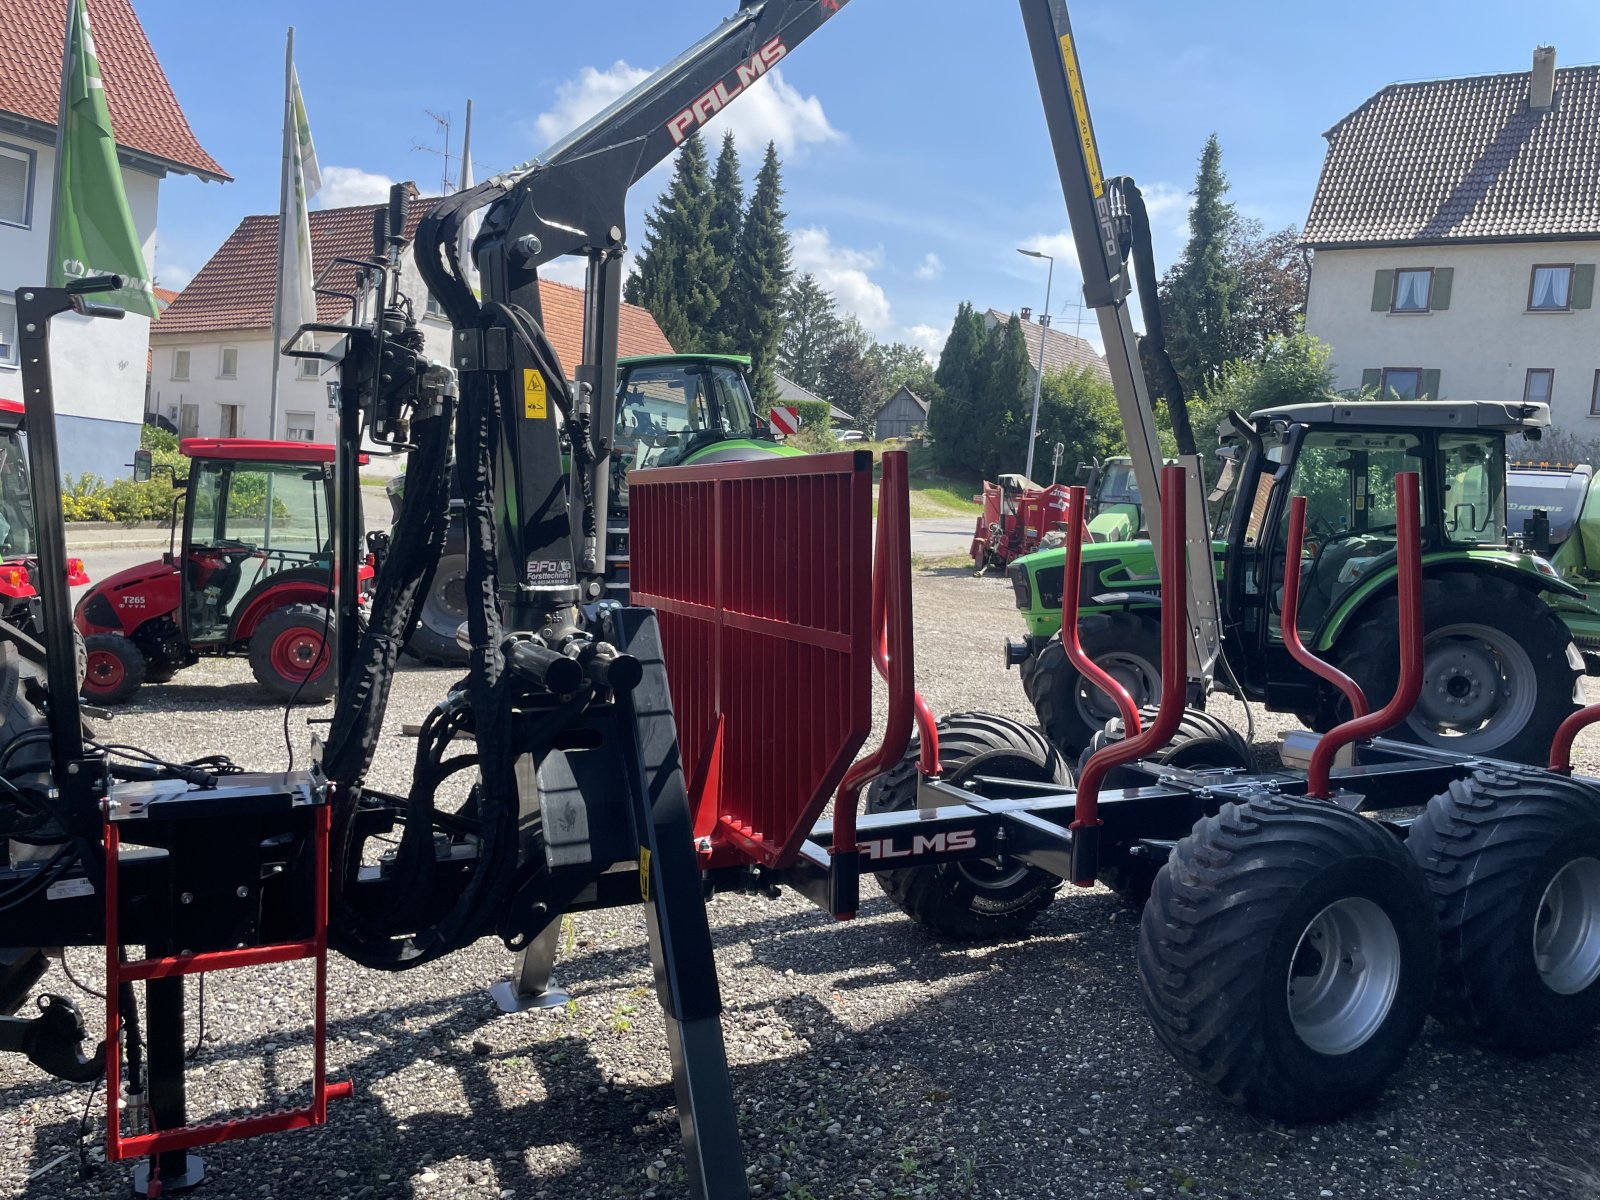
672 410
1501 667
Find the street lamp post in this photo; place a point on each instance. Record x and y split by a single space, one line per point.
1038 378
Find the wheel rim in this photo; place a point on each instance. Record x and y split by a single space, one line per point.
1139 677
1479 688
104 670
1566 928
1344 975
995 874
297 654
445 606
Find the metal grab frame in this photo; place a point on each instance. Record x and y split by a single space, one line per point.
157 1142
1408 560
1071 594
1566 733
1289 620
1174 682
893 653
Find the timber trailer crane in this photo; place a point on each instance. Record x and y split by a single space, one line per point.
1288 948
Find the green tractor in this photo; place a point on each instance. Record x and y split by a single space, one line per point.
1501 667
1557 508
672 410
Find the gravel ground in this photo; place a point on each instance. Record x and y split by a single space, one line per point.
868 1059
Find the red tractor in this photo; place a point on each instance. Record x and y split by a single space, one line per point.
254 577
19 604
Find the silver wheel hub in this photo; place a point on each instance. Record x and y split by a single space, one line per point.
1344 975
1566 928
1140 678
1479 688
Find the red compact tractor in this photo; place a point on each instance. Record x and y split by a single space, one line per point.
253 577
19 604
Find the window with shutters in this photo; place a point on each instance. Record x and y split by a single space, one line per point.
16 185
1412 288
1540 383
1401 383
1550 288
8 331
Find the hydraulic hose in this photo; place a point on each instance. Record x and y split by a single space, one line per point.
1155 331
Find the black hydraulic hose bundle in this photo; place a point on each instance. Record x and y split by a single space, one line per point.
1155 335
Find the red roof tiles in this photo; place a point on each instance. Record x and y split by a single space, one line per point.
235 289
1062 351
144 112
1467 159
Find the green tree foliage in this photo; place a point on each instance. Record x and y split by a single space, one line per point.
901 365
811 326
676 275
1078 409
761 279
1004 401
1273 277
850 376
1200 294
1292 368
724 225
952 411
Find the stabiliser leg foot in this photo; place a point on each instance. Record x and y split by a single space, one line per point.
192 1175
531 985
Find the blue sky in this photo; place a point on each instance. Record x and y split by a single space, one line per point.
914 146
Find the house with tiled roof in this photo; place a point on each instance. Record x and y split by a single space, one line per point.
1456 230
1062 351
99 366
213 348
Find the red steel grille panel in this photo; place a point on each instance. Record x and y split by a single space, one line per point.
761 573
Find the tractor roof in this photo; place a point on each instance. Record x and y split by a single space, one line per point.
640 360
257 450
1506 416
10 415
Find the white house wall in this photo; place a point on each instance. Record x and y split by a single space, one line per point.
1484 344
99 365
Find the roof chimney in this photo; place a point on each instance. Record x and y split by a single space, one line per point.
1542 84
1026 313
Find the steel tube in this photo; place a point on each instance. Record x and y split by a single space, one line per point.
1291 612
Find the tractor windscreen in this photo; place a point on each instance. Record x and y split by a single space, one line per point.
1474 470
665 412
16 499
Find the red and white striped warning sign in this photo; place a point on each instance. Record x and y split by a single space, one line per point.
785 419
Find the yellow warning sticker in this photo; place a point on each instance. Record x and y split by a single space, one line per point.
534 405
644 874
1080 110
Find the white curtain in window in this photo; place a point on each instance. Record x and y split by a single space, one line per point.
1413 290
1550 287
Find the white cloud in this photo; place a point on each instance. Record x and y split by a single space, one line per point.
844 272
343 187
769 111
1059 246
569 269
1168 206
931 266
930 337
171 275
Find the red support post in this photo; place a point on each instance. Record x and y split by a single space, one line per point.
1071 596
1291 613
1566 733
1174 681
1408 537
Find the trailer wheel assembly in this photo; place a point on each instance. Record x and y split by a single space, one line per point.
1496 675
444 609
291 653
1070 709
1299 1003
987 897
1514 863
113 668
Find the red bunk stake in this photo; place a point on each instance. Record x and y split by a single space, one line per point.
1408 536
1174 679
1291 613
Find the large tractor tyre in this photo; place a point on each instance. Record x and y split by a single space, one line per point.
1286 956
292 653
1514 864
159 671
1499 667
1203 742
1070 709
981 898
113 668
444 608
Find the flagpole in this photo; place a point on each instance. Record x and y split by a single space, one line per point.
61 144
283 224
466 150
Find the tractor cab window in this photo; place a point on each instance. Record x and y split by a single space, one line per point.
1474 470
250 523
1347 478
666 412
16 499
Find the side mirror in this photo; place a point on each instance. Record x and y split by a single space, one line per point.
141 466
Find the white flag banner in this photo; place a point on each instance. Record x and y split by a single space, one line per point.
469 230
296 273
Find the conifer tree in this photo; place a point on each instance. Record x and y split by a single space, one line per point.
761 279
811 326
1200 295
726 220
676 275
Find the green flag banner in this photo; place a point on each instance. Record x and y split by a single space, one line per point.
93 231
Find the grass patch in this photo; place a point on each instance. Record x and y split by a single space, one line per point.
942 562
933 493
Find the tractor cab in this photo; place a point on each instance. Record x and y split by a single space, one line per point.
18 595
672 408
256 517
1343 458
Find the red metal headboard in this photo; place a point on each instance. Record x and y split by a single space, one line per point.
761 573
